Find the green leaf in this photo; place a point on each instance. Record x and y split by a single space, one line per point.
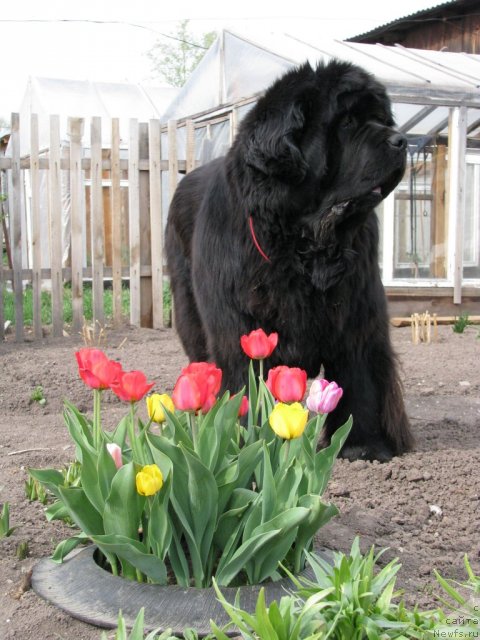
286 524
159 530
134 553
227 571
51 479
319 514
325 458
269 493
81 510
56 511
229 480
203 494
63 548
124 506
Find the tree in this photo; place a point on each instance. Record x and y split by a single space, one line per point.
175 61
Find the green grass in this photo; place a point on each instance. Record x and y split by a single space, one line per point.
46 302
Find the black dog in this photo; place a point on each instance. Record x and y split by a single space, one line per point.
281 234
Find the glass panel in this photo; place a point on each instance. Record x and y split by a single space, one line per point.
420 215
471 223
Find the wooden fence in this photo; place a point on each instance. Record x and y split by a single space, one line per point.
116 217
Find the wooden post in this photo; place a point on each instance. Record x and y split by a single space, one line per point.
145 235
16 227
116 204
457 132
156 222
134 222
55 219
36 228
438 237
96 195
75 132
190 152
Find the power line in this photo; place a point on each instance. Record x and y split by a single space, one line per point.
112 22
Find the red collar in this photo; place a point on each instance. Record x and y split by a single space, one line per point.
255 241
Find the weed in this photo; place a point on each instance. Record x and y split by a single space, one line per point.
5 528
461 323
37 396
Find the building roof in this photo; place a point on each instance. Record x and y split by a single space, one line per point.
404 24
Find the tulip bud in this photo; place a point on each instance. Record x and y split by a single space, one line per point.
288 420
115 451
287 384
257 345
156 404
324 396
149 480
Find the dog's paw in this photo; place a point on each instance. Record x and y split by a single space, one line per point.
366 452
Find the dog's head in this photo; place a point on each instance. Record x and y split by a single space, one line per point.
328 132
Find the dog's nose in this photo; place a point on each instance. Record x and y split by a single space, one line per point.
398 141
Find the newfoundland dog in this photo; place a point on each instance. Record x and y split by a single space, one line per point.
281 234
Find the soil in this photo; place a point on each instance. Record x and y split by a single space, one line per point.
424 506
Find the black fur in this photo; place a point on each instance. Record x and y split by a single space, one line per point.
311 161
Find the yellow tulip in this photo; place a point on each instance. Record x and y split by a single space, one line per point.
288 420
149 480
155 405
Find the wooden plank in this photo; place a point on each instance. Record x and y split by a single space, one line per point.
156 222
36 227
96 212
438 237
405 321
75 132
134 222
457 133
190 151
116 204
172 158
145 236
55 225
16 227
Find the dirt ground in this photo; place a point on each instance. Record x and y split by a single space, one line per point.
424 506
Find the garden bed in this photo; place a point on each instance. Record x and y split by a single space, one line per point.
425 506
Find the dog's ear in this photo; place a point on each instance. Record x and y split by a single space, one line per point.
272 147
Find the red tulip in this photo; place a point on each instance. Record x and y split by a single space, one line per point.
187 395
95 369
243 409
257 345
287 384
131 386
197 387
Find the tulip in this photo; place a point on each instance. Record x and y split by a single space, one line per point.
257 345
243 408
131 386
197 387
156 403
324 396
116 452
95 369
287 384
288 420
149 480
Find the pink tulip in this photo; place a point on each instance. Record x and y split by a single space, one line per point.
116 452
324 396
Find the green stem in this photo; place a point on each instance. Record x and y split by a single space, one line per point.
97 420
193 429
132 437
287 451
